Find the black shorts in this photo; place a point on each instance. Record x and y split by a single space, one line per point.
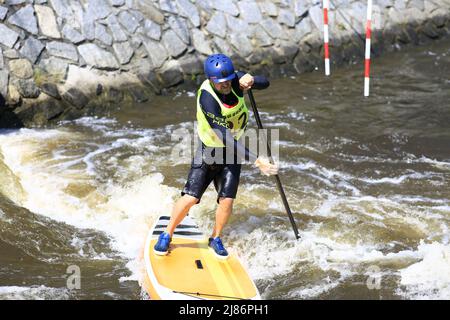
225 177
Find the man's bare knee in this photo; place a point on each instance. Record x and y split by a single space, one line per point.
225 201
189 200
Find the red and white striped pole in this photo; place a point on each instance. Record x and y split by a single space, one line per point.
367 55
326 6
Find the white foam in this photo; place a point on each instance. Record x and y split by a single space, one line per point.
124 210
430 277
33 293
312 291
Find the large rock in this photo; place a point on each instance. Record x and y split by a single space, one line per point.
223 46
25 19
358 12
206 6
14 97
72 35
117 3
4 80
152 29
21 68
138 94
55 67
269 8
168 6
102 35
191 64
75 20
62 8
173 43
190 11
262 37
8 37
250 11
11 54
200 43
302 29
316 15
242 44
386 3
150 11
400 5
76 98
226 6
99 9
237 25
47 21
117 31
62 50
88 25
27 88
418 4
124 52
301 7
14 2
3 12
170 74
342 22
50 89
440 17
286 17
287 50
48 110
2 62
147 76
180 27
138 15
217 25
136 41
273 29
32 49
430 30
128 21
158 54
98 58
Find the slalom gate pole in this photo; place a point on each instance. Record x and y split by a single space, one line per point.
326 7
367 53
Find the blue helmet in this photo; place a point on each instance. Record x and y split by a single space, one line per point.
219 68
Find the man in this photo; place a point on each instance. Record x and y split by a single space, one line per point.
222 118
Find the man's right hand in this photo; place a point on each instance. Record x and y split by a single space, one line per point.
266 167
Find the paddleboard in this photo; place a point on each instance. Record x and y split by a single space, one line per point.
191 270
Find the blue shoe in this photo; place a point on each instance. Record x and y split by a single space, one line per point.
217 245
162 246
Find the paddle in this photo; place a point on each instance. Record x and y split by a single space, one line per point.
277 178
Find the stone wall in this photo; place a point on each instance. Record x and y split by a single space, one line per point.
61 59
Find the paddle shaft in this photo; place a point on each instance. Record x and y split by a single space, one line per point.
277 178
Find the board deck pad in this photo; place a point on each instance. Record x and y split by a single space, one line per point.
191 270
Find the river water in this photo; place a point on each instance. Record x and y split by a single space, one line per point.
368 180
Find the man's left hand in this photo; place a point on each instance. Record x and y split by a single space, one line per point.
246 82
